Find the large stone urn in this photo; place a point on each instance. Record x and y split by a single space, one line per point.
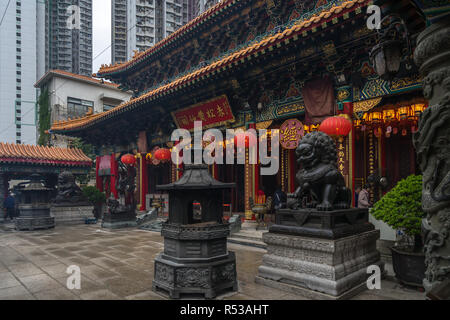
195 258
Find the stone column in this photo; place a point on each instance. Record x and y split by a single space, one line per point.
432 143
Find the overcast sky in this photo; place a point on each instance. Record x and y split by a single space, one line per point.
101 28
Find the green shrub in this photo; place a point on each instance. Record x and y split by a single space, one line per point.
94 195
401 208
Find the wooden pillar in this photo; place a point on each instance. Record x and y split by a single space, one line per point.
292 170
98 179
248 183
371 161
142 180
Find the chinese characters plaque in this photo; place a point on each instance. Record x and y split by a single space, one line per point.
212 113
291 131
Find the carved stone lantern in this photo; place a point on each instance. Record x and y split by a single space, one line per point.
195 258
34 206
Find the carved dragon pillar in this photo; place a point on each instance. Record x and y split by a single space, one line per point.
432 143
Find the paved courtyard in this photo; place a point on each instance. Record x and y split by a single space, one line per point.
118 265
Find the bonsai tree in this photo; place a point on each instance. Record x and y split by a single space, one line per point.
95 197
401 208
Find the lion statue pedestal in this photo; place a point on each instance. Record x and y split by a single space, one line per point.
122 211
320 247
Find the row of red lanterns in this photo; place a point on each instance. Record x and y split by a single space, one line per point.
162 155
333 126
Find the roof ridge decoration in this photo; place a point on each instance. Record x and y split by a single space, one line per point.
298 29
12 153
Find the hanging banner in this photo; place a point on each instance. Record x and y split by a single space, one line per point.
213 113
291 131
104 167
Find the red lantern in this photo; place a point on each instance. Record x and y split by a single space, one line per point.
248 142
163 154
336 126
128 159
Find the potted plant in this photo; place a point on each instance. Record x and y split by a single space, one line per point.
95 197
401 208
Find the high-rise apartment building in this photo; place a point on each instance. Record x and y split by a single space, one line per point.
199 6
140 24
69 36
22 62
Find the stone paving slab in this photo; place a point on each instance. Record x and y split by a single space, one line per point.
120 265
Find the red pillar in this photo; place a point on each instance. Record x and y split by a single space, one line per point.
292 170
144 182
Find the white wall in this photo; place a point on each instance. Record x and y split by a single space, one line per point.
61 88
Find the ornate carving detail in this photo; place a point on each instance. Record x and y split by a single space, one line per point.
195 233
164 273
224 273
432 143
432 45
366 105
435 78
193 277
435 240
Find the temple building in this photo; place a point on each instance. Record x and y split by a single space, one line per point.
19 162
257 64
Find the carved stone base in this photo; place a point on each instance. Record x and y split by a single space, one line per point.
207 278
34 216
34 223
119 220
322 224
72 215
331 267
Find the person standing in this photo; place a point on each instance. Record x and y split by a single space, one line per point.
364 197
279 199
10 205
357 191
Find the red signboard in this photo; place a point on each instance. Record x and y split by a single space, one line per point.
212 113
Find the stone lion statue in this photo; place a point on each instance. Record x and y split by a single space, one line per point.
321 184
68 191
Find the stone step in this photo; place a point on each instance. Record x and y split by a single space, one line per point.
247 242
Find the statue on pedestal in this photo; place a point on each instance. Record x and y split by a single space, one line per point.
122 211
69 193
321 184
319 246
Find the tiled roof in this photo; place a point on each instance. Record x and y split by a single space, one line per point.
21 153
202 18
75 76
267 44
